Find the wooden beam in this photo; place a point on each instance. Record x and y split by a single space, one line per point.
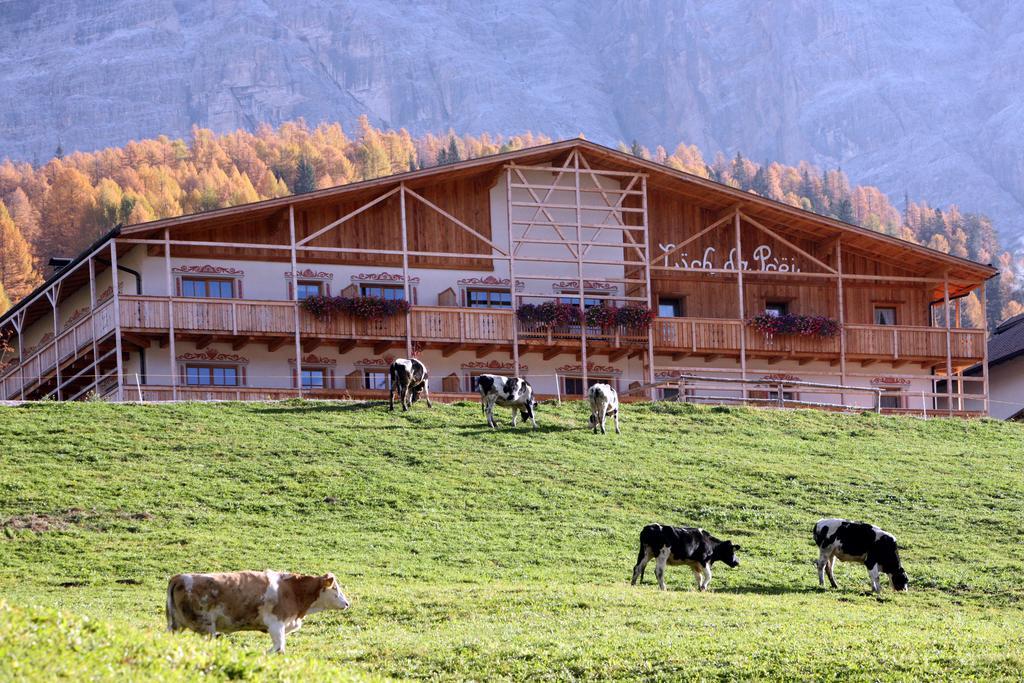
482 351
204 341
805 361
679 355
310 345
347 345
651 258
240 343
276 344
382 346
868 361
774 360
616 354
789 244
141 342
551 352
450 350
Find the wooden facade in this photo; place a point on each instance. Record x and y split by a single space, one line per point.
571 221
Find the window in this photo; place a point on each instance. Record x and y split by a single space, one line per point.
391 292
773 395
670 308
573 386
314 378
488 298
308 288
209 288
375 379
885 315
211 375
587 301
776 308
669 394
891 398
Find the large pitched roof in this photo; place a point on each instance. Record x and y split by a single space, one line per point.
711 193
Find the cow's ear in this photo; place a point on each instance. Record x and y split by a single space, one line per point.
327 580
736 546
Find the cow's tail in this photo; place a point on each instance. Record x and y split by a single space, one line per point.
171 623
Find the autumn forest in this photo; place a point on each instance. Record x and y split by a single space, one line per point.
59 207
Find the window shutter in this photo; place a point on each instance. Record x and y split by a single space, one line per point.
291 291
177 285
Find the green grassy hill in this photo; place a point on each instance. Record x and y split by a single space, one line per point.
472 554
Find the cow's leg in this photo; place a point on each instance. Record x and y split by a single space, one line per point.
829 564
489 412
602 413
529 411
391 397
277 631
698 577
874 571
642 558
426 395
659 567
821 564
406 397
616 414
515 415
705 570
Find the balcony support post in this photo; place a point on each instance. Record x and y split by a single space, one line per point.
19 322
170 314
295 301
949 348
579 270
842 317
92 324
740 300
984 346
52 294
647 283
117 319
512 248
405 271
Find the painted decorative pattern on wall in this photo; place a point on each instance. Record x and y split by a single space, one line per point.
212 356
207 269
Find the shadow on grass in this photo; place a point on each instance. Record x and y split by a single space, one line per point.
359 406
507 427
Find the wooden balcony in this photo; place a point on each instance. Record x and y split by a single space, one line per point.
446 326
864 343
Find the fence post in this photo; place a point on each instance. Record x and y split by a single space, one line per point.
558 390
878 401
781 399
138 386
681 390
924 406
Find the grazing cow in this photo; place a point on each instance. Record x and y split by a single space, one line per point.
857 542
604 401
409 379
682 545
267 601
508 392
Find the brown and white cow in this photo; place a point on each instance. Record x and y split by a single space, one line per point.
268 601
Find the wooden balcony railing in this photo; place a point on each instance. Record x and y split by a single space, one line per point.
481 325
883 342
42 360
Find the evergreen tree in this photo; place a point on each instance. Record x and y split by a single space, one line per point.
844 211
59 152
305 176
636 150
453 151
412 162
760 182
442 157
17 274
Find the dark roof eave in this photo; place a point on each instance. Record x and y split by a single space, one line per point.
29 298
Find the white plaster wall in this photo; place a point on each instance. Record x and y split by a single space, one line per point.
1006 389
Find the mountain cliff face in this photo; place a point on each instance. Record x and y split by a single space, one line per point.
923 96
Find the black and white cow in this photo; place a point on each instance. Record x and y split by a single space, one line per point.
508 392
682 545
858 542
409 380
604 401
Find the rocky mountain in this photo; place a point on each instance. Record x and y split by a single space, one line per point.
922 96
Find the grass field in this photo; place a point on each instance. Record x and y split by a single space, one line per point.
471 554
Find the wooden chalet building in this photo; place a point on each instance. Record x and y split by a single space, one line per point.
207 306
